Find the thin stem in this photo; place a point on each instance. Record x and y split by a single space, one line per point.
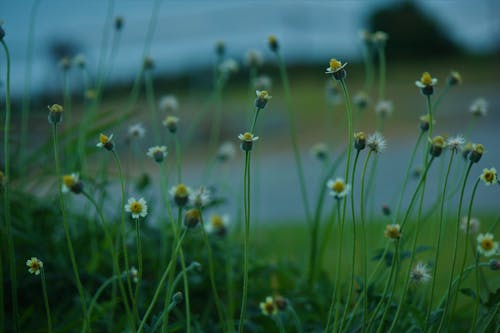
46 300
439 99
6 195
382 72
279 323
178 157
478 296
186 290
139 259
368 61
99 291
298 324
336 287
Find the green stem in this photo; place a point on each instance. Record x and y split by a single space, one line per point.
186 291
6 196
298 324
368 61
478 296
99 291
279 323
336 287
382 72
178 157
46 301
152 105
439 99
139 260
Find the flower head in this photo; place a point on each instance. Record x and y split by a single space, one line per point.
169 103
384 108
181 194
268 307
200 197
262 98
454 78
473 224
106 142
320 151
361 100
376 142
379 38
192 218
479 107
136 131
226 151
138 208
119 23
262 82
466 149
392 231
217 225
158 153
425 122
489 176
273 43
486 246
420 273
134 274
426 84
365 36
228 66
336 68
455 143
80 61
35 265
247 140
148 63
171 122
437 145
476 152
253 58
338 188
55 114
72 183
359 140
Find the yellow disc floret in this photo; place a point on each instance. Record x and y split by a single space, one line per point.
103 138
69 180
335 64
426 79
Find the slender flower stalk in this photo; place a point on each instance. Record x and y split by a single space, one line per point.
148 78
139 259
46 300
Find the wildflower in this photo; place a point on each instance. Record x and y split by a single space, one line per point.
158 153
473 224
281 302
138 208
437 145
454 78
170 122
476 152
379 38
137 131
384 108
148 63
262 82
486 246
338 188
337 69
376 142
65 63
181 194
253 58
320 151
426 84
55 114
479 107
494 265
489 176
262 98
201 197
365 36
273 43
466 150
192 218
229 66
425 123
118 23
106 142
220 48
72 183
392 231
359 140
332 92
455 143
386 210
80 61
169 103
35 265
420 273
178 297
226 151
134 274
268 307
361 100
217 225
247 140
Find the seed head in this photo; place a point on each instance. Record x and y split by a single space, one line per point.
169 103
455 143
376 142
479 107
420 273
262 82
226 151
379 38
253 58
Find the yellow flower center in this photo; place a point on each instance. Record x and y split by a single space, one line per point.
438 141
487 244
338 187
181 191
335 64
56 108
426 79
68 180
35 265
272 39
489 176
248 136
479 148
269 308
217 221
263 94
392 231
135 207
103 139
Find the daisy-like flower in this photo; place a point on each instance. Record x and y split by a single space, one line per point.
72 183
336 68
262 82
229 66
392 231
158 153
473 225
338 188
171 123
361 100
426 84
200 197
254 58
247 140
217 225
35 265
454 78
273 43
320 151
476 152
456 142
486 246
138 208
489 176
55 114
376 142
479 107
262 98
268 307
105 142
169 103
420 273
379 38
437 145
192 218
136 131
384 108
226 151
134 274
180 193
359 140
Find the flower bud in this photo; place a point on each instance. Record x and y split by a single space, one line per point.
476 153
437 145
118 23
55 114
220 48
359 140
281 303
273 43
494 264
192 218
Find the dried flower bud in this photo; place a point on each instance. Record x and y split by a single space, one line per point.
281 302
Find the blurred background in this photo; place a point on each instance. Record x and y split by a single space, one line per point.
435 36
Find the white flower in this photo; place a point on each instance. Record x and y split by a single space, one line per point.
486 246
180 193
376 142
169 103
248 137
68 181
226 151
35 265
158 153
338 188
473 225
105 141
384 108
335 66
217 224
138 208
489 176
201 197
420 273
137 131
253 58
479 107
455 143
426 81
134 274
229 66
